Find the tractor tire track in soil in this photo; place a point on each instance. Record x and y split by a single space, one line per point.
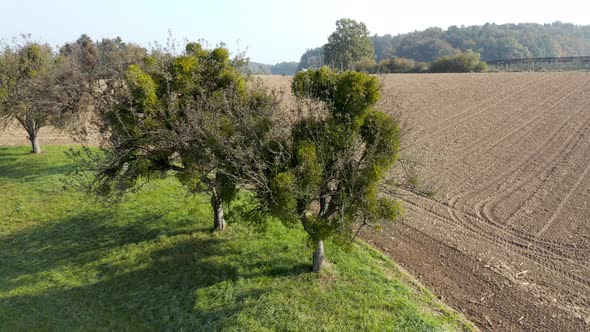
505 240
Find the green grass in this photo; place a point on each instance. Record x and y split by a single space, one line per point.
152 263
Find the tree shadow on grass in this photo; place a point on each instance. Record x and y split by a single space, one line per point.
185 284
13 151
79 239
161 294
26 169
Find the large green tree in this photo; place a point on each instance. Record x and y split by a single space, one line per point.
348 44
180 114
333 161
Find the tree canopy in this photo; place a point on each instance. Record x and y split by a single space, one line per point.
339 156
38 88
348 44
492 41
461 63
182 114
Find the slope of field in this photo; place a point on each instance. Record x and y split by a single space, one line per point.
506 238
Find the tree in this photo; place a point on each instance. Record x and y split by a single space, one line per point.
328 171
312 59
428 49
179 114
384 46
398 65
366 64
348 44
38 88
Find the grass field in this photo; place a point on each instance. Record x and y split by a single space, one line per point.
152 263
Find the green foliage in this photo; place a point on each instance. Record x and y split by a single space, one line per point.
492 41
348 44
282 68
365 64
399 65
162 98
319 84
355 94
33 59
142 88
191 114
152 263
465 62
284 188
339 158
428 49
32 81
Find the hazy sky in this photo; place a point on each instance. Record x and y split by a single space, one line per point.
270 31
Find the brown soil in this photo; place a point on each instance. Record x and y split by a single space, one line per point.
506 238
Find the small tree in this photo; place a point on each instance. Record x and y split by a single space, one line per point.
337 160
397 65
348 44
180 114
366 65
38 88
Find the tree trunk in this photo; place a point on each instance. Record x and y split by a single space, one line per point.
318 257
218 219
35 143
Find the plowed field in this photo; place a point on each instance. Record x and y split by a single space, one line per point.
506 238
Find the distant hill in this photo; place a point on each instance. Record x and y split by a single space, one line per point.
492 41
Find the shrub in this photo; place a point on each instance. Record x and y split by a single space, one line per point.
397 65
465 62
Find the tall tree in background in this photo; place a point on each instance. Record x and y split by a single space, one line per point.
348 44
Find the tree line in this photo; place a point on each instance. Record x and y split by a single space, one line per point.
281 68
350 47
415 51
196 117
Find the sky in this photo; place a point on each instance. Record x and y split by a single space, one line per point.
268 31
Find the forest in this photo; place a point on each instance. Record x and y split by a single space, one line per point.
491 41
